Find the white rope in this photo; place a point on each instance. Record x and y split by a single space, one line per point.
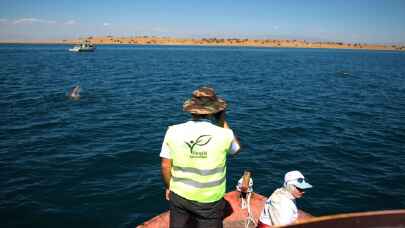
243 203
250 218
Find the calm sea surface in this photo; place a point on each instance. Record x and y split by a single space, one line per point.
336 115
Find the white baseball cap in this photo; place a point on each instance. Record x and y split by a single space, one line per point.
296 178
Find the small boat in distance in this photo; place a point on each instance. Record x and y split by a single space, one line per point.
85 46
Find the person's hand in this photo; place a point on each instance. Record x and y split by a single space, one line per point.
167 194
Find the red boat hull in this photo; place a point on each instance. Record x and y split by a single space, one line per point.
235 216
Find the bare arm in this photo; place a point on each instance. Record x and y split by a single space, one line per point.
223 123
165 168
303 216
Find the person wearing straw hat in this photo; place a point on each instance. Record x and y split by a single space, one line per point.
193 162
280 207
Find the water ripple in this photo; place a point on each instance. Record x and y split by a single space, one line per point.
94 161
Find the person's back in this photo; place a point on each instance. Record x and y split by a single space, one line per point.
199 148
280 208
194 162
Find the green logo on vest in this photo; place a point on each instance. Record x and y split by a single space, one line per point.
202 140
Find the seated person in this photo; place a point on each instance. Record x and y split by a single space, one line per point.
280 208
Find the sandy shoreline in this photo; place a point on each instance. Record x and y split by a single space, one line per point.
145 40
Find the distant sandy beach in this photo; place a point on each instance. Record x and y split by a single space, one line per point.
151 40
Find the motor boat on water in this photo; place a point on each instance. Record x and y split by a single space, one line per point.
85 46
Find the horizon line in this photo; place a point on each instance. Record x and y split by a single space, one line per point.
197 37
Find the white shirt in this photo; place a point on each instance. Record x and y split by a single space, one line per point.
280 209
165 151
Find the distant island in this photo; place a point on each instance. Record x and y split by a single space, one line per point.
282 43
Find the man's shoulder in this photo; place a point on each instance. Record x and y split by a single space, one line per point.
179 125
199 125
279 195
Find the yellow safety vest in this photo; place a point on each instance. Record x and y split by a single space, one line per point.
198 151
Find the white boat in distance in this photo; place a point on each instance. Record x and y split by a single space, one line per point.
85 46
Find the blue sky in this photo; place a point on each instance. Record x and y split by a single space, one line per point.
372 21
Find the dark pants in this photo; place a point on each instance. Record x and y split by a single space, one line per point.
187 213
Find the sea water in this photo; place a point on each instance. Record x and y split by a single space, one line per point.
338 116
